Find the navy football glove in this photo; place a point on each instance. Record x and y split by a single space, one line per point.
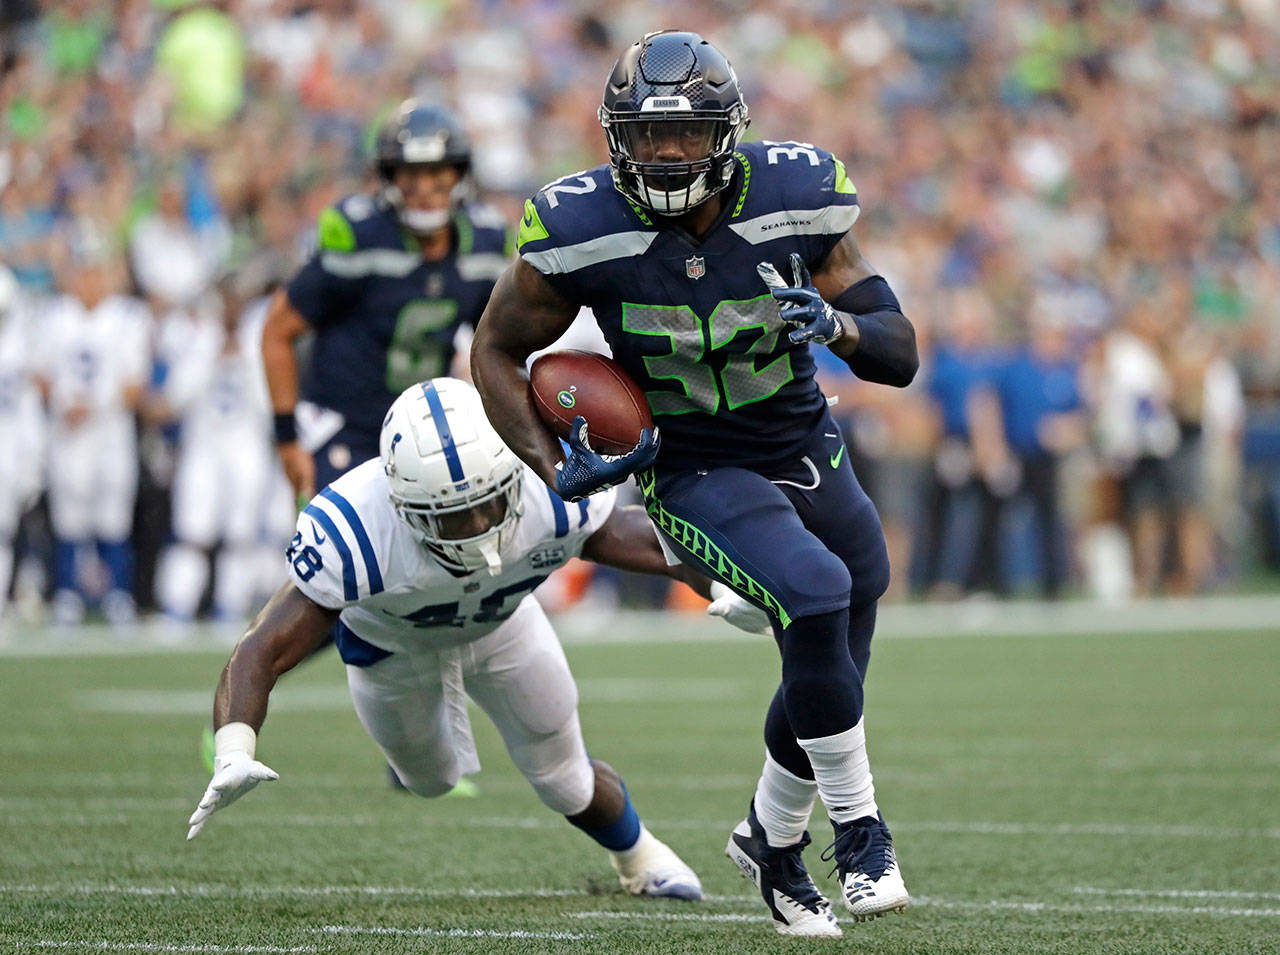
813 318
584 472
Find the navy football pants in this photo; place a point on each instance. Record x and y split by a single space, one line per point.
804 542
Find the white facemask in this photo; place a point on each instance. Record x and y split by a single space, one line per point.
424 221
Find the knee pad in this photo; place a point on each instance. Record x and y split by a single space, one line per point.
428 784
872 580
816 581
566 788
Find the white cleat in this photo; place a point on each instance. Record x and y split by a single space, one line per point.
651 868
867 869
794 902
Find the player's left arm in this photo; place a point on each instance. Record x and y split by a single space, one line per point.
850 308
878 342
628 541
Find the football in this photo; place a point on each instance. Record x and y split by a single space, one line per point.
569 383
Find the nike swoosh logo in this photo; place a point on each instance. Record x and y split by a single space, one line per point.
320 538
835 458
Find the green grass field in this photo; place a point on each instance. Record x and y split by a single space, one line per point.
1075 793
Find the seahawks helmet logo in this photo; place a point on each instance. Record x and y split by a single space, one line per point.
566 397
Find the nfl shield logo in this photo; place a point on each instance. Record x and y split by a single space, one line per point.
695 267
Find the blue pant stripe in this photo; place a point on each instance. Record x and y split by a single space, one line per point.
582 512
561 513
350 590
362 538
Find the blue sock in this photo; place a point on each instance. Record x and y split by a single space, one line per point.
622 833
119 561
64 565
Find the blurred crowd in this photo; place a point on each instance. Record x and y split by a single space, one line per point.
1078 204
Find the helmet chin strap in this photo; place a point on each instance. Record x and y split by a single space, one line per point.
490 551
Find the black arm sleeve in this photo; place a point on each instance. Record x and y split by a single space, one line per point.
886 351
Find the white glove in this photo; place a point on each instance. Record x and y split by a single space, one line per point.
743 615
233 775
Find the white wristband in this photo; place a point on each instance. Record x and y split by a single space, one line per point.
235 738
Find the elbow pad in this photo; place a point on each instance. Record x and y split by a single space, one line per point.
886 351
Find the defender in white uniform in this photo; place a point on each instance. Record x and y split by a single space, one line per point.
95 354
425 560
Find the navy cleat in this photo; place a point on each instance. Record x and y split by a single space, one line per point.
795 903
867 868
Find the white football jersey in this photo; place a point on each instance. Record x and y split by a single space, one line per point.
89 356
352 551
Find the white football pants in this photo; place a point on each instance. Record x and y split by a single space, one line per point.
414 706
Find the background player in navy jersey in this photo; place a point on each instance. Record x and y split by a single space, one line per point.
394 278
680 245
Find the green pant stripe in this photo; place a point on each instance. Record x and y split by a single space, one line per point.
700 546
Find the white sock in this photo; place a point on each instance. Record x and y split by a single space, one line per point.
783 804
843 774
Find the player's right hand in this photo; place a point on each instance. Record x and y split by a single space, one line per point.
233 776
299 468
585 471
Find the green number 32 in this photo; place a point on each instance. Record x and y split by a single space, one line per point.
692 343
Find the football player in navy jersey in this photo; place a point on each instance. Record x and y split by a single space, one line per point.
712 269
394 277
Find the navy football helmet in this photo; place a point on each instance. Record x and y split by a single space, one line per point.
673 114
422 134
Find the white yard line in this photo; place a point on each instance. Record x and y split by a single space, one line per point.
1178 893
451 932
113 815
956 904
103 946
1090 909
312 891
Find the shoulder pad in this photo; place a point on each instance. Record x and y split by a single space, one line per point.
792 177
485 216
354 222
484 243
334 557
580 220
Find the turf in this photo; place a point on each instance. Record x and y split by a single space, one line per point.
1067 794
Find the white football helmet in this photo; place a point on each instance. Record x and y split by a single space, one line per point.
452 478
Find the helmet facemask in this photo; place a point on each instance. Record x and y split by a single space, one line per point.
469 533
638 141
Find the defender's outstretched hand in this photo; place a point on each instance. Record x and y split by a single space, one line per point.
585 472
813 318
233 776
737 611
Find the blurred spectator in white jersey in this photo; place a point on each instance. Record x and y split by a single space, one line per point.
1137 436
177 249
92 366
20 427
225 467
